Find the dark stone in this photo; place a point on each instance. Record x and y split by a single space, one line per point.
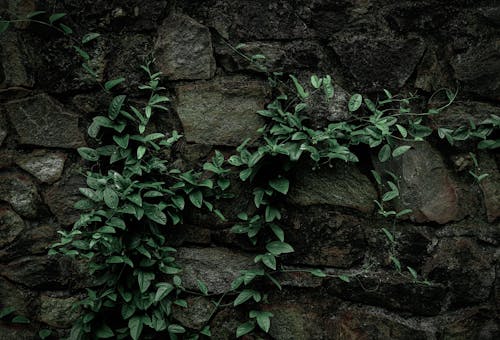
490 186
35 240
11 225
12 295
465 267
342 185
222 112
478 69
15 57
196 315
217 267
322 237
471 324
425 185
57 311
184 49
3 129
390 289
20 192
460 113
377 61
41 120
61 197
45 165
366 323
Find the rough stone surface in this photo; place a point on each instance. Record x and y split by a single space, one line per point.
425 185
44 165
57 311
386 62
196 315
12 295
222 111
451 265
343 185
63 195
490 187
15 58
184 49
217 267
41 120
479 69
11 225
20 192
3 128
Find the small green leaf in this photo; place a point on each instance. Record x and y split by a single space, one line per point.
44 333
88 154
196 197
315 81
318 273
404 212
4 25
163 290
264 321
89 37
112 83
385 153
244 296
400 150
277 248
6 311
344 278
141 150
54 17
111 198
115 106
269 260
245 328
122 141
402 130
280 184
135 325
355 102
20 319
388 234
82 53
176 329
413 272
66 29
34 14
104 332
202 287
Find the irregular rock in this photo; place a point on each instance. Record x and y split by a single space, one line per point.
465 267
491 13
20 191
217 267
425 185
57 311
62 196
3 128
490 186
11 225
431 72
343 185
10 331
390 290
6 158
14 61
41 120
17 297
36 240
471 324
38 272
367 323
197 313
460 113
387 62
45 165
323 112
222 111
323 237
184 49
479 69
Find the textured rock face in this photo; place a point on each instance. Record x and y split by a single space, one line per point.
41 120
57 311
184 49
11 225
3 129
20 192
425 185
14 61
343 185
221 111
46 166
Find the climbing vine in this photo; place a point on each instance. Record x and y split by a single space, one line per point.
135 193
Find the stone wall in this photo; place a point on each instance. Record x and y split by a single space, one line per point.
452 237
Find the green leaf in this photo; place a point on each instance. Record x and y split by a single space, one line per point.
327 86
223 183
88 154
89 37
56 16
144 279
315 81
141 150
385 153
176 329
413 272
269 260
34 14
156 215
66 29
389 235
206 331
111 198
272 213
264 321
82 53
400 150
355 102
280 185
396 262
277 231
20 319
402 130
345 278
202 287
243 297
6 311
112 83
318 273
135 325
104 332
377 177
164 289
278 247
178 201
44 333
245 328
404 212
300 90
122 141
115 106
488 144
4 25
196 197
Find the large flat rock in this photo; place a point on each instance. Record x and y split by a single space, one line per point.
222 111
